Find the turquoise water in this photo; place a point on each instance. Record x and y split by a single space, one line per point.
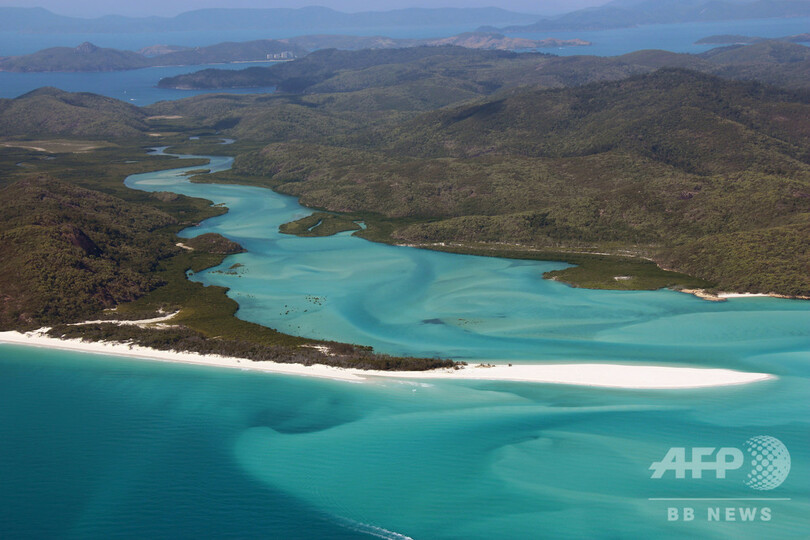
408 301
139 85
95 447
100 447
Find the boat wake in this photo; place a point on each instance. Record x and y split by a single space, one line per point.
371 530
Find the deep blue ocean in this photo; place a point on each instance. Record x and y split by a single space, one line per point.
99 447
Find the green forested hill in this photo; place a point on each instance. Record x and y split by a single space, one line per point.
85 57
430 145
90 58
320 66
686 168
767 51
50 111
695 122
485 72
478 71
775 62
69 251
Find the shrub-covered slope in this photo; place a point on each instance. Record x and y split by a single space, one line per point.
687 168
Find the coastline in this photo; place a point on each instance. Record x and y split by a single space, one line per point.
617 376
723 296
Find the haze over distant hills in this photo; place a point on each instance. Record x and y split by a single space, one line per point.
775 62
628 13
39 20
89 58
736 39
616 14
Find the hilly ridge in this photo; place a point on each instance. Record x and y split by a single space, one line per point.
625 15
50 111
40 20
90 58
773 62
490 148
59 238
659 165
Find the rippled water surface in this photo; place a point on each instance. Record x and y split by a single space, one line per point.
409 301
93 446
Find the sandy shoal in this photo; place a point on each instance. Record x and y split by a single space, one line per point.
583 374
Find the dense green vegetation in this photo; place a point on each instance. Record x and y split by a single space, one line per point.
653 166
213 243
50 111
474 72
320 224
76 240
776 62
185 339
367 68
69 251
84 246
85 57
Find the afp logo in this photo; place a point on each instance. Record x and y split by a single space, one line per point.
768 458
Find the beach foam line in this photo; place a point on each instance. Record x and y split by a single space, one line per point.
588 374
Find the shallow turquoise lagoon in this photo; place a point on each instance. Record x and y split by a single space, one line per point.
98 447
408 301
92 446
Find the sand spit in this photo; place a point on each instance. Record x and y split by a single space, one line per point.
587 374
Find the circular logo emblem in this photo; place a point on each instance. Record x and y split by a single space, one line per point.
770 462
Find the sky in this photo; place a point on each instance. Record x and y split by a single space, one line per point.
91 8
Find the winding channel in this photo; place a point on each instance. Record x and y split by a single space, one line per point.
408 301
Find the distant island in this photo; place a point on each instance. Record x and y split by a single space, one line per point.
315 19
736 39
492 40
303 20
89 58
629 14
775 62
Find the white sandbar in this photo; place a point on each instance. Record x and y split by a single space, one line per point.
597 375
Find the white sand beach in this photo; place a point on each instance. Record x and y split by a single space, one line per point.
723 296
586 374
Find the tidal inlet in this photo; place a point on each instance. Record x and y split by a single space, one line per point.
428 273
